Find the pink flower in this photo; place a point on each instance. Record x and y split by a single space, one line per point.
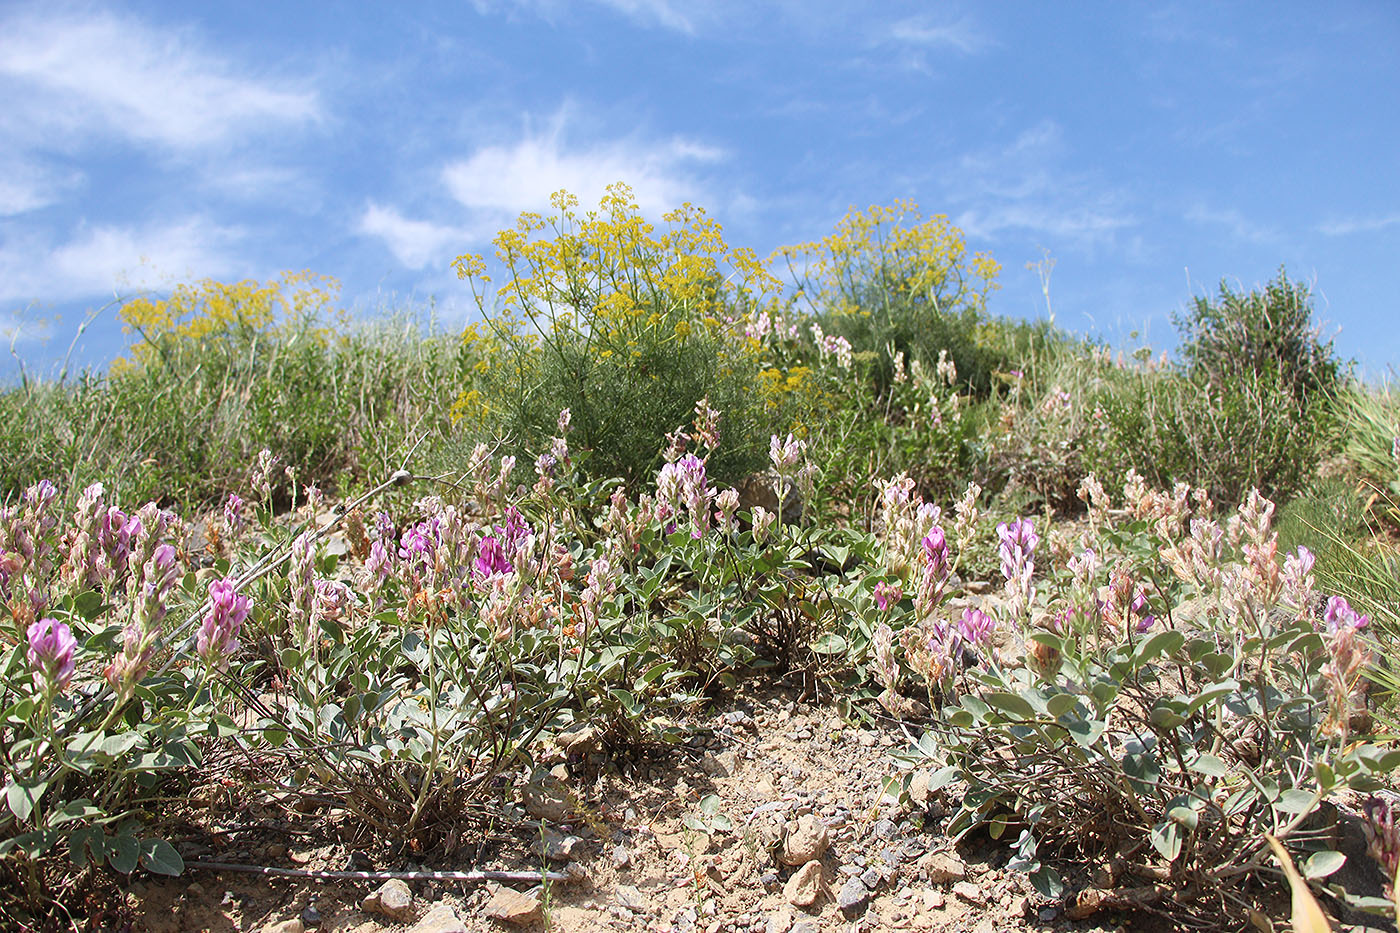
51 649
1340 616
491 558
976 626
218 633
887 594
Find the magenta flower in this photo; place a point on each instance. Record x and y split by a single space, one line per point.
1018 541
976 626
233 515
887 594
51 650
218 633
1340 616
936 553
515 530
1139 608
491 558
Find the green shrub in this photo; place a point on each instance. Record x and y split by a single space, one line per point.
1248 432
892 282
1268 331
626 330
219 372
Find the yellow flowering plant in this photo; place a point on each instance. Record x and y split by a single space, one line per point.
625 324
889 278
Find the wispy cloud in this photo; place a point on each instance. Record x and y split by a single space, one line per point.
1235 224
1348 225
27 184
497 181
513 177
80 74
665 14
99 259
1024 186
415 243
960 34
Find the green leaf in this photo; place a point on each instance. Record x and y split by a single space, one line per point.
1061 703
1012 704
1321 864
831 643
32 844
1209 765
1210 694
1047 881
1296 801
160 857
1160 645
655 671
122 852
1166 839
115 746
23 795
86 843
975 707
1086 731
1185 817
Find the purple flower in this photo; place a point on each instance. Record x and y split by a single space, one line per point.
1340 616
218 633
936 553
976 626
1139 608
491 558
1018 541
51 649
887 594
233 515
515 531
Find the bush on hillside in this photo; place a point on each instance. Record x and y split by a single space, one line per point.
891 281
626 328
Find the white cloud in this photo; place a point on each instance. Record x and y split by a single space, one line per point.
80 74
415 243
666 14
106 259
1236 224
1349 225
1080 224
1023 186
499 180
27 185
663 13
961 34
505 179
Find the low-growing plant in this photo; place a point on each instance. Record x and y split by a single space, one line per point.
1177 699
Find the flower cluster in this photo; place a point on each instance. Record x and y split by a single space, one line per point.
26 552
218 632
1383 839
682 486
1018 543
51 655
149 591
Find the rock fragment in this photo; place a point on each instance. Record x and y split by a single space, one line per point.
805 885
393 899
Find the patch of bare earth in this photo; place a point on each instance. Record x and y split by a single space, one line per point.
804 839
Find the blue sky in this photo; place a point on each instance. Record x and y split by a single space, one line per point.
1152 149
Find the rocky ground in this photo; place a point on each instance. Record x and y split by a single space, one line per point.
798 836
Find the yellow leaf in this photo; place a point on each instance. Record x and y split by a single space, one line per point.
1307 915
